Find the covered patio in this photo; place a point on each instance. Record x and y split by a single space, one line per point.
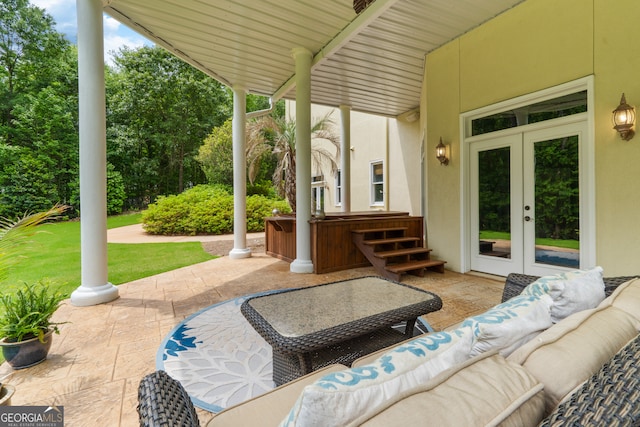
335 53
97 361
376 62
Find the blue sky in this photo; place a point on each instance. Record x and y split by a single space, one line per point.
116 35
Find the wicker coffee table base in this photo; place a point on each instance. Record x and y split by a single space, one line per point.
288 367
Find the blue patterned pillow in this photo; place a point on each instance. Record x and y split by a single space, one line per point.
340 397
507 326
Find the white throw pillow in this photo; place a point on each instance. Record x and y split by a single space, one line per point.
571 292
340 397
507 326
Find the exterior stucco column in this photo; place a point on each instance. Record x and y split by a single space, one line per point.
240 249
303 263
94 288
345 157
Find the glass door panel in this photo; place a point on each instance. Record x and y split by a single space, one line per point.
496 204
552 200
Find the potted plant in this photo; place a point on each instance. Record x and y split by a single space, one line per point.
25 324
25 315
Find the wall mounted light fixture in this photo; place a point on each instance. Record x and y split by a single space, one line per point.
624 117
441 153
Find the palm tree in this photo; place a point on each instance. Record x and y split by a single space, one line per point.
276 136
14 233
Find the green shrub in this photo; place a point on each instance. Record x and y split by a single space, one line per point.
259 207
206 209
116 194
262 188
115 191
216 155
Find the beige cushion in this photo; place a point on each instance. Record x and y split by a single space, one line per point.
270 408
486 390
571 351
626 297
336 399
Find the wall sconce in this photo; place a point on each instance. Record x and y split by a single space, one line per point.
441 153
624 118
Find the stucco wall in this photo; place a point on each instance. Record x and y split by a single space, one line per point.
617 70
443 182
396 142
536 45
404 190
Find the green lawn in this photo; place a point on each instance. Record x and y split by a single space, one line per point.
54 253
501 235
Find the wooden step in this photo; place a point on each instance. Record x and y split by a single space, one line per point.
401 252
391 240
378 230
417 265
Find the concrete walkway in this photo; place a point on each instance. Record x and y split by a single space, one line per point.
103 351
136 234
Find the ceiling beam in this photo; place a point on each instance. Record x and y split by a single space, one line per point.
370 14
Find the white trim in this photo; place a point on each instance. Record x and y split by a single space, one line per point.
587 161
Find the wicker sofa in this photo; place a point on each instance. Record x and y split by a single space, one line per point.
583 370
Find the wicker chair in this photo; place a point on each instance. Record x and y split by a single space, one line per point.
608 399
163 402
516 283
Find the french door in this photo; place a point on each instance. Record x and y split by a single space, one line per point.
525 201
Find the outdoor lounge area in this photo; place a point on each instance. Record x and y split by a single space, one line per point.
98 361
100 356
558 351
445 114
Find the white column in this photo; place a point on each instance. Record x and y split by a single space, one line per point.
345 157
303 263
94 288
240 249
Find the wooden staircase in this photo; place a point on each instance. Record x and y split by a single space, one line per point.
392 253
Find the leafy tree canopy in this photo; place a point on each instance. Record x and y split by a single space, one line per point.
160 110
38 110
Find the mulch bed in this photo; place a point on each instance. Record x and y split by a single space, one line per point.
223 247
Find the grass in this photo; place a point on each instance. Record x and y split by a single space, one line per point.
558 243
54 253
570 244
494 235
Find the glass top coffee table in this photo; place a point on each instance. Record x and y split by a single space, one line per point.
338 322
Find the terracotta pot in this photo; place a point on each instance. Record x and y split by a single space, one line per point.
6 392
23 354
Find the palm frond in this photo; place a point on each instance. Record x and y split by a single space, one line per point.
277 136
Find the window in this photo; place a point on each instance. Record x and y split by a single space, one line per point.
338 188
317 193
377 183
566 105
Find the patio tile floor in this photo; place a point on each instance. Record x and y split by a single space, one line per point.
100 356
